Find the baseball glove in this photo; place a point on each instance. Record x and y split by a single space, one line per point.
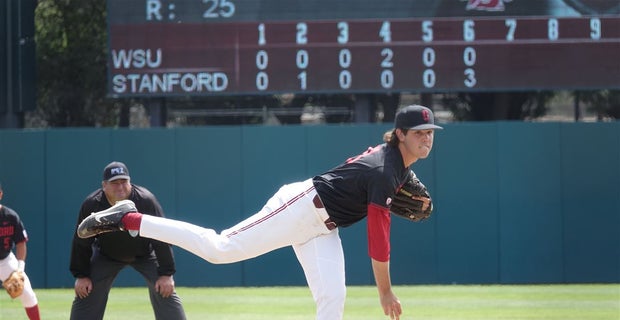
406 205
14 284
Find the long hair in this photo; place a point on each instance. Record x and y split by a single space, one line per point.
391 138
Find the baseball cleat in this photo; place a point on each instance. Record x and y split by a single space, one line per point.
107 220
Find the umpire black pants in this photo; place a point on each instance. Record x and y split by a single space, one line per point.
103 273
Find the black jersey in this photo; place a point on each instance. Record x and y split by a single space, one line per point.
12 231
120 246
370 178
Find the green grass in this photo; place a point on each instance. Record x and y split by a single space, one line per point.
548 302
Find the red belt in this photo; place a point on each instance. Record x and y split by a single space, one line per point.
319 205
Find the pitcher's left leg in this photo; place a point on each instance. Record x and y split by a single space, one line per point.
322 259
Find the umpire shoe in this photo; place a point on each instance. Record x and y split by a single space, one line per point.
107 220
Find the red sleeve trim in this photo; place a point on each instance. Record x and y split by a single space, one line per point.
379 232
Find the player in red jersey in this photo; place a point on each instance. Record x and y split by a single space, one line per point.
13 233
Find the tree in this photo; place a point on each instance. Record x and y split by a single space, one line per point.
605 103
71 61
487 106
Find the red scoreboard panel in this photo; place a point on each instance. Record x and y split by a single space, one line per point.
227 47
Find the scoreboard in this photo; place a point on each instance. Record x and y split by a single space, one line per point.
230 47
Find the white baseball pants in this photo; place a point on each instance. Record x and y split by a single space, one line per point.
7 266
289 218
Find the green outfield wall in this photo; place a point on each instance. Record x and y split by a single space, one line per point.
514 202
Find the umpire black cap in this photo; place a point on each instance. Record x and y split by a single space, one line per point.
114 171
415 117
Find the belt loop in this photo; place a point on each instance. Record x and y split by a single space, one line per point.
317 202
319 205
330 224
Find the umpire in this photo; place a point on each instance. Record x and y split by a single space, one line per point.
95 262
